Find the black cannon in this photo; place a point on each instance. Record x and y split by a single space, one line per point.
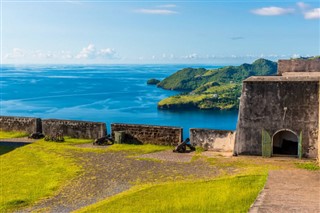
106 140
182 147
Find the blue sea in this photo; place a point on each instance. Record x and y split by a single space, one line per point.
105 93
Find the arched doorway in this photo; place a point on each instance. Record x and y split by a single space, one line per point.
285 142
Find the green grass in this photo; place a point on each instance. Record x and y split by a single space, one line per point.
234 194
138 149
199 149
182 99
32 172
12 134
313 166
71 141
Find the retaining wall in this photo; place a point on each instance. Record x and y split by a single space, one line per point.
211 139
74 129
25 124
147 134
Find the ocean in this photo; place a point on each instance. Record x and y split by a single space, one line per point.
104 93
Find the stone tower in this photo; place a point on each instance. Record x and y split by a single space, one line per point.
279 115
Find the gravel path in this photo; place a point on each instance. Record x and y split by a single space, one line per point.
169 155
290 191
110 173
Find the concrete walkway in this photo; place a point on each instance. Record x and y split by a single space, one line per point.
290 191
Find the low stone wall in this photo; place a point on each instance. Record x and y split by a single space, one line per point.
211 139
74 129
146 134
25 124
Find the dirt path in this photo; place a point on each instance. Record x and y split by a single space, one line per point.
110 173
290 191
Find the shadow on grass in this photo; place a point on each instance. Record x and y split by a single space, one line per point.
6 147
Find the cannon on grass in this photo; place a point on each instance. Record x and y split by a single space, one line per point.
182 147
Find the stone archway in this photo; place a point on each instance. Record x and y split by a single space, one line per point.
285 142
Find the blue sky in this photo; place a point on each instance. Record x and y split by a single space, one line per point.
119 32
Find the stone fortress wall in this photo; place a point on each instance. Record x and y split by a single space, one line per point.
23 124
74 129
298 65
134 133
160 135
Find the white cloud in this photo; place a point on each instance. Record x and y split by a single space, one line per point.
16 53
308 13
312 14
272 11
87 52
108 52
156 11
191 56
296 55
90 52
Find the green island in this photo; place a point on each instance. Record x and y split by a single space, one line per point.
153 81
211 89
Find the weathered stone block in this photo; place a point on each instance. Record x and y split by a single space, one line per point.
211 139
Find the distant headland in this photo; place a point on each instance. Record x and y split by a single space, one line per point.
212 89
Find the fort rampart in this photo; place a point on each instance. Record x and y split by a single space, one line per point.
299 65
74 129
24 124
147 134
211 139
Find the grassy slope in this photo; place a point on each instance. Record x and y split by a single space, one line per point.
12 134
219 88
234 194
38 170
35 171
223 96
32 172
229 193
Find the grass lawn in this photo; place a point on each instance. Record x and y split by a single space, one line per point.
12 134
309 165
34 171
71 141
38 170
234 194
